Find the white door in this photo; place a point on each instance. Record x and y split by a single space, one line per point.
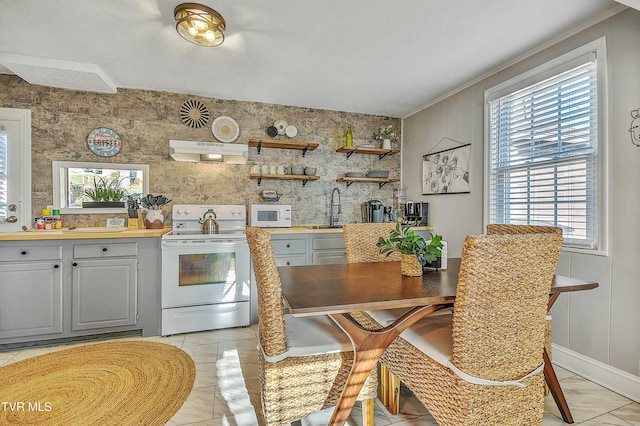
15 169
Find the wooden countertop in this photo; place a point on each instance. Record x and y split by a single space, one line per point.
311 229
82 233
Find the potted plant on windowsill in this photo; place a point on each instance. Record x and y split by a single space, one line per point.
105 193
415 251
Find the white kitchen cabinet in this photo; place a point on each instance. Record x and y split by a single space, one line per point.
31 283
104 292
67 288
328 249
290 250
104 285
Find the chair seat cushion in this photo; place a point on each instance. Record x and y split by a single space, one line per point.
307 336
433 336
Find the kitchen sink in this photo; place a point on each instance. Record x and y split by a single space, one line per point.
323 226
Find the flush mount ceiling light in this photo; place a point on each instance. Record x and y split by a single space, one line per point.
199 24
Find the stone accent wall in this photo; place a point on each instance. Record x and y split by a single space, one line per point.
147 120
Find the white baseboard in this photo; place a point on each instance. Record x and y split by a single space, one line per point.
618 381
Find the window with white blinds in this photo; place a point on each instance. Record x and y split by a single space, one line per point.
543 153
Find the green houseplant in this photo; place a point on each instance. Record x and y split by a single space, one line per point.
105 193
416 252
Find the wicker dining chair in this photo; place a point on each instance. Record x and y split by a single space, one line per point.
303 363
499 228
483 365
360 242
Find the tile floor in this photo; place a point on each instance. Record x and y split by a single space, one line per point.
227 390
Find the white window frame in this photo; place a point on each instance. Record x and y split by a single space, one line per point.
59 170
541 73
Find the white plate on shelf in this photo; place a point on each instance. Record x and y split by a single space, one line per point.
367 145
281 125
291 131
225 129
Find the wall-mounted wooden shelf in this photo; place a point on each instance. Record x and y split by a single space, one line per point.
272 143
380 152
380 181
303 178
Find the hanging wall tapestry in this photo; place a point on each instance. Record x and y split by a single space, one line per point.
446 172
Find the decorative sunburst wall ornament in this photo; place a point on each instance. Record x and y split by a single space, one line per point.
194 113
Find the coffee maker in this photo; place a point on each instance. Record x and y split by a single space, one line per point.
373 211
416 212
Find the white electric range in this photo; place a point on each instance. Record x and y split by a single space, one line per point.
206 278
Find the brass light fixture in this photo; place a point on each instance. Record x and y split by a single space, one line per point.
199 24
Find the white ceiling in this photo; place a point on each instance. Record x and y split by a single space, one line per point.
370 56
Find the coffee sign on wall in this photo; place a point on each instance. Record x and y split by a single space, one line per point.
104 142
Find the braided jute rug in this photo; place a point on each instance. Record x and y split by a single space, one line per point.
114 383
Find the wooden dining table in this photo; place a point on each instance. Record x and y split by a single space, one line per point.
338 289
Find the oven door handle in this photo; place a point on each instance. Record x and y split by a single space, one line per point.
204 243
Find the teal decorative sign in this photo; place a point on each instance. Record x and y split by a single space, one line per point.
104 142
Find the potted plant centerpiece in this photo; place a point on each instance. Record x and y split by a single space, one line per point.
106 193
415 251
154 218
386 135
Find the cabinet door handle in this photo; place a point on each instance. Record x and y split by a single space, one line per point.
74 264
104 249
288 263
288 245
24 252
56 266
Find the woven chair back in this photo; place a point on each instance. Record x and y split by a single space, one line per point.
498 228
360 241
501 303
271 323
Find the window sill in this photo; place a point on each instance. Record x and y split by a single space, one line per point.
81 210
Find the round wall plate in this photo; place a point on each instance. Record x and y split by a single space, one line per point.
291 131
194 114
281 125
104 142
225 129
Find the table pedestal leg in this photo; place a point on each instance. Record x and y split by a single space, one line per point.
555 389
368 347
551 378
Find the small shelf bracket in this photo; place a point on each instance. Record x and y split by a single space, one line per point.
381 156
349 183
259 180
350 153
381 184
304 182
259 147
304 152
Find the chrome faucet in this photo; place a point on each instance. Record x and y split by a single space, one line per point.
335 218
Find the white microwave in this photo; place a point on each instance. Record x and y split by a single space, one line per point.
270 215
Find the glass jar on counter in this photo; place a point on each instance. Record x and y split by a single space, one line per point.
399 203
